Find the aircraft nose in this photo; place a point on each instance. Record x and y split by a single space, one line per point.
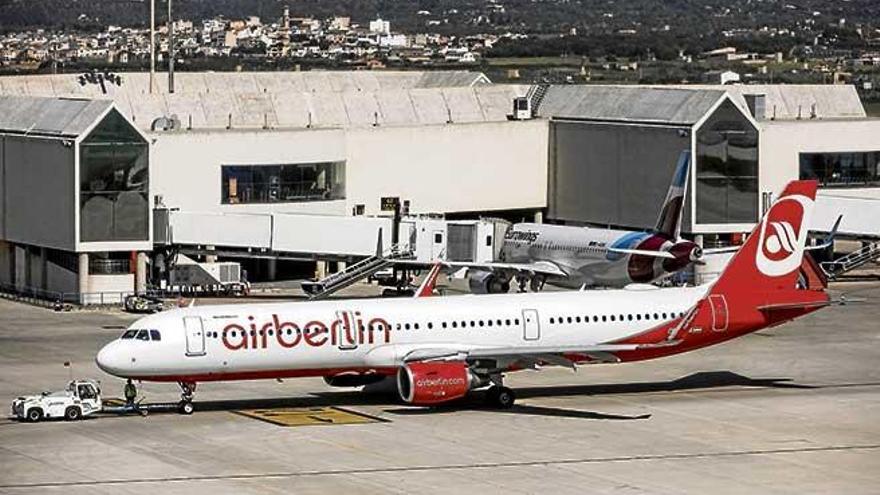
111 359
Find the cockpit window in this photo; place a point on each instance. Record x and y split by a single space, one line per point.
129 334
143 335
155 335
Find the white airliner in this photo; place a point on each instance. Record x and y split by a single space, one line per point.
440 348
573 257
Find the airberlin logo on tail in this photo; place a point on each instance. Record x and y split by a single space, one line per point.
784 239
783 235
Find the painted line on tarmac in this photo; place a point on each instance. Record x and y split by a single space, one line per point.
447 467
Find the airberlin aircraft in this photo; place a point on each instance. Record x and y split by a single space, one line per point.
440 348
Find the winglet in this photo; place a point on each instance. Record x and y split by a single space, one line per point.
829 239
379 244
426 289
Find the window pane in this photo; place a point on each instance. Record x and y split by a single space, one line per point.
114 179
155 335
727 168
857 169
129 334
242 184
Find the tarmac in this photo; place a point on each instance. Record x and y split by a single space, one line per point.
792 409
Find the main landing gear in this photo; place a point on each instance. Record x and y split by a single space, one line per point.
187 390
498 395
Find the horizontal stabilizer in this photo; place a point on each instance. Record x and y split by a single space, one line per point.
793 305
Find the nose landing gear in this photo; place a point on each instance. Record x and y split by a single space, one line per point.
187 390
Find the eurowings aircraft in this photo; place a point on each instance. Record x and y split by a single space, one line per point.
573 257
441 348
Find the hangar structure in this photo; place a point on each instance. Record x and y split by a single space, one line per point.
274 166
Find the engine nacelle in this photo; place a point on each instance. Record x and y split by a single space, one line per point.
481 282
353 379
685 252
435 382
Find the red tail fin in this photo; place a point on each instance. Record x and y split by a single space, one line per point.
770 258
427 287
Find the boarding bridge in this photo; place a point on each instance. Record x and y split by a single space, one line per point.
353 273
425 240
271 235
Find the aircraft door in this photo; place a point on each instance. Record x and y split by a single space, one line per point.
531 327
437 245
719 312
195 336
346 330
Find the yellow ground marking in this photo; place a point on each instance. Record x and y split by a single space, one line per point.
309 416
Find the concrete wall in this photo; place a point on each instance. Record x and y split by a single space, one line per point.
782 142
439 168
38 192
108 289
449 168
186 166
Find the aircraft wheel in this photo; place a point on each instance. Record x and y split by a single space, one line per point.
506 398
501 397
186 407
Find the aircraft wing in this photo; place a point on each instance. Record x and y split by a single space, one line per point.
534 355
643 252
540 267
826 242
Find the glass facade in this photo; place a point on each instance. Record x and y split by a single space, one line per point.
247 184
856 169
727 168
114 183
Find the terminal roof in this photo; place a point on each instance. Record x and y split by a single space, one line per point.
59 117
629 103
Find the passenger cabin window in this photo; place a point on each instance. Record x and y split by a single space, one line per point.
129 334
155 335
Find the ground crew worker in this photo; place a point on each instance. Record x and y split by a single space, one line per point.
130 393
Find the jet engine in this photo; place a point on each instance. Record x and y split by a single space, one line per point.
685 252
434 382
481 282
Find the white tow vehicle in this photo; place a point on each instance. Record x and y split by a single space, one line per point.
81 398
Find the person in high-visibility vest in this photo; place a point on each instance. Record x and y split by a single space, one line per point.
130 392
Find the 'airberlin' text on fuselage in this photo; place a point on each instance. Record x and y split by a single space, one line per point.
344 331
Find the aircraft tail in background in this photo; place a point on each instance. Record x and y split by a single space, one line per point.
669 222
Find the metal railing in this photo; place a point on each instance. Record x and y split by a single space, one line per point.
56 299
852 260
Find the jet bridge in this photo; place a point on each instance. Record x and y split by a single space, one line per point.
268 235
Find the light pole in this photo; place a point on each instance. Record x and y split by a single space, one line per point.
170 50
152 43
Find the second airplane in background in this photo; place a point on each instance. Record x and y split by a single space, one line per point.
574 257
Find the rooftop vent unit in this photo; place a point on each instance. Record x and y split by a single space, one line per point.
171 123
522 108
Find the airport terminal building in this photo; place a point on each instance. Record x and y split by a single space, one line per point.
273 166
